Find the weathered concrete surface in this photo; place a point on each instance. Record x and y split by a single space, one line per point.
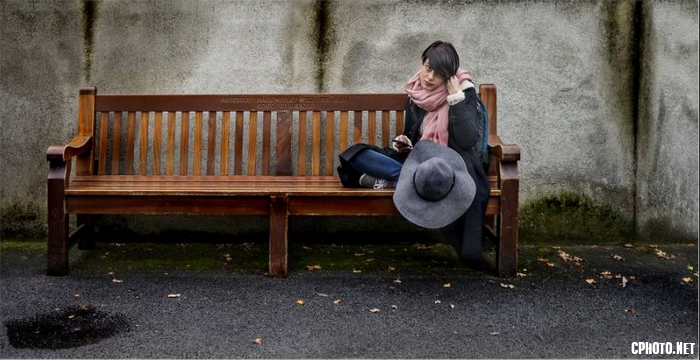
601 96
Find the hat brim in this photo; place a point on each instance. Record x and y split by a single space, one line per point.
433 214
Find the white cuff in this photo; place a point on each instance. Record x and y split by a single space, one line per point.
454 99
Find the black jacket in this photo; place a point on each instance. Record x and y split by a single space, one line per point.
465 234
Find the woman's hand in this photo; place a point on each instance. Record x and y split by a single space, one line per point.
453 85
402 144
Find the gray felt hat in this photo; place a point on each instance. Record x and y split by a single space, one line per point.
434 187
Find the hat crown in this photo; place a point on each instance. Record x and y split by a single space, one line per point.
434 179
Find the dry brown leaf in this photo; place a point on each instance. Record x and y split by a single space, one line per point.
359 254
117 281
452 306
520 275
374 310
567 257
606 275
71 317
355 271
447 286
663 255
397 281
337 301
494 333
507 286
591 281
438 302
687 280
257 341
391 268
394 307
618 258
629 246
228 257
631 310
174 296
84 308
313 267
322 294
624 282
546 262
420 246
301 302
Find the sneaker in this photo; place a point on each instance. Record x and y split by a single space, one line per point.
369 181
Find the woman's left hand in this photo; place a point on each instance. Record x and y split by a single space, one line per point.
453 85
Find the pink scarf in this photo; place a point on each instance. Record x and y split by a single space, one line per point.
435 102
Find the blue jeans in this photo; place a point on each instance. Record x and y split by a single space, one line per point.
375 164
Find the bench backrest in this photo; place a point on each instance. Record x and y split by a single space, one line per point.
199 135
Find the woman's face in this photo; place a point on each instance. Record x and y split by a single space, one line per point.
429 79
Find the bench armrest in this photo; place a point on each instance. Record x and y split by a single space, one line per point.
62 153
502 151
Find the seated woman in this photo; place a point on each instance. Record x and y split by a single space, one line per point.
442 107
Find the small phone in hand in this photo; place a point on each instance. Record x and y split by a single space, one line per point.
400 143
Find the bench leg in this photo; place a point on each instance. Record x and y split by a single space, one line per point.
507 257
57 246
279 225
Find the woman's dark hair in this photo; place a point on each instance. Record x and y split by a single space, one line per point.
443 58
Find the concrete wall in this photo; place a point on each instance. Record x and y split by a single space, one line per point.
602 97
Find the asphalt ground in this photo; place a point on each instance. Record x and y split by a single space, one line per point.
600 303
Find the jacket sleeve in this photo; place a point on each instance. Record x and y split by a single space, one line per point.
463 125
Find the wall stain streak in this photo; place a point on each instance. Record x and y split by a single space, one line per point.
89 19
640 100
324 36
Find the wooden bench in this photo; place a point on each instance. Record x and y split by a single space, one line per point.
271 155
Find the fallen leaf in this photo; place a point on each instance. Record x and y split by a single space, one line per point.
324 295
546 262
687 280
71 317
520 275
391 268
374 310
696 274
629 246
494 333
84 308
397 281
301 302
438 302
420 246
452 306
110 273
664 255
369 260
306 248
117 281
228 257
338 301
173 296
606 275
75 294
568 257
618 258
359 254
447 286
624 282
394 307
578 264
507 286
689 267
355 271
313 267
591 281
631 310
594 246
257 341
